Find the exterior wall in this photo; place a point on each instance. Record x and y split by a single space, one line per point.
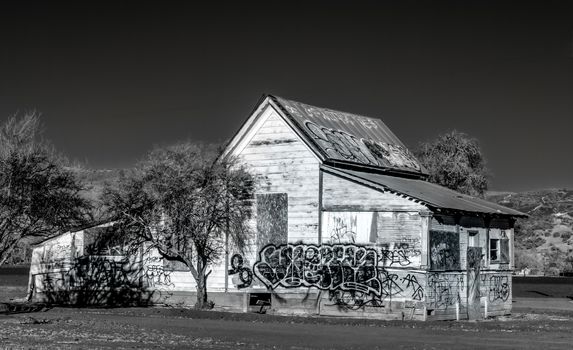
51 261
283 164
493 280
356 222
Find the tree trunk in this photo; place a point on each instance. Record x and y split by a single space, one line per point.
202 292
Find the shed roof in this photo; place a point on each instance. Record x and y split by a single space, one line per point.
434 196
350 138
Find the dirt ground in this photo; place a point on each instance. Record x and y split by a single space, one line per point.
538 322
171 328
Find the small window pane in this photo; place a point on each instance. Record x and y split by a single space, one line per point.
494 249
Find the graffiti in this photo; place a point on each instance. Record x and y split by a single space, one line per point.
399 255
245 275
498 288
444 290
328 267
412 282
392 285
341 145
354 300
354 276
474 255
341 233
302 111
444 250
157 276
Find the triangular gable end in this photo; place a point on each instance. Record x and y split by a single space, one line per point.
266 108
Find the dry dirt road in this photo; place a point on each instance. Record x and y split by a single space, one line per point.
63 328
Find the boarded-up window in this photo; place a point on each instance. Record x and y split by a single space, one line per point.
444 250
272 219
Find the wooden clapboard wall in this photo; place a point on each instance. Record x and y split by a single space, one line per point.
283 165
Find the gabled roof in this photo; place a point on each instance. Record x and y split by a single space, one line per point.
342 137
436 197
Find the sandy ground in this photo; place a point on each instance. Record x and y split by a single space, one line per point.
170 328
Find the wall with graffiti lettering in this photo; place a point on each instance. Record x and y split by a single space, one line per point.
396 236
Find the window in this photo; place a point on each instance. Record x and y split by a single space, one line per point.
494 249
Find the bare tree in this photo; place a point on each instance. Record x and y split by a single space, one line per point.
39 197
454 160
184 203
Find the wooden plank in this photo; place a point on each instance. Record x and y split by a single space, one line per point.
358 197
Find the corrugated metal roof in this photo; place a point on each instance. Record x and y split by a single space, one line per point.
428 193
352 138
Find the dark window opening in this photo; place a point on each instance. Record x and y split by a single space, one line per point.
494 249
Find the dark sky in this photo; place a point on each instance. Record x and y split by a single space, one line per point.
112 80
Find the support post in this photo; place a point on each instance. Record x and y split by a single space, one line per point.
486 311
245 301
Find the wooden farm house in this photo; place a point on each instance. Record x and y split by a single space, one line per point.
346 224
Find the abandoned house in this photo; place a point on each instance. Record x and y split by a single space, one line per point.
346 224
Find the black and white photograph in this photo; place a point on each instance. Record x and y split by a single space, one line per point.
286 174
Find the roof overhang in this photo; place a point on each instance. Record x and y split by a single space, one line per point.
438 198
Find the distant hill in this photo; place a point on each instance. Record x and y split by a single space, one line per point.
546 238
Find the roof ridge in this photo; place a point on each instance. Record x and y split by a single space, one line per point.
275 97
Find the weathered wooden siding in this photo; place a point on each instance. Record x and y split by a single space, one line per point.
392 223
340 194
283 164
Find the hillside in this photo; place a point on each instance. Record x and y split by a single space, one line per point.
544 242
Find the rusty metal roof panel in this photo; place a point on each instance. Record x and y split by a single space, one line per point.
348 137
430 194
